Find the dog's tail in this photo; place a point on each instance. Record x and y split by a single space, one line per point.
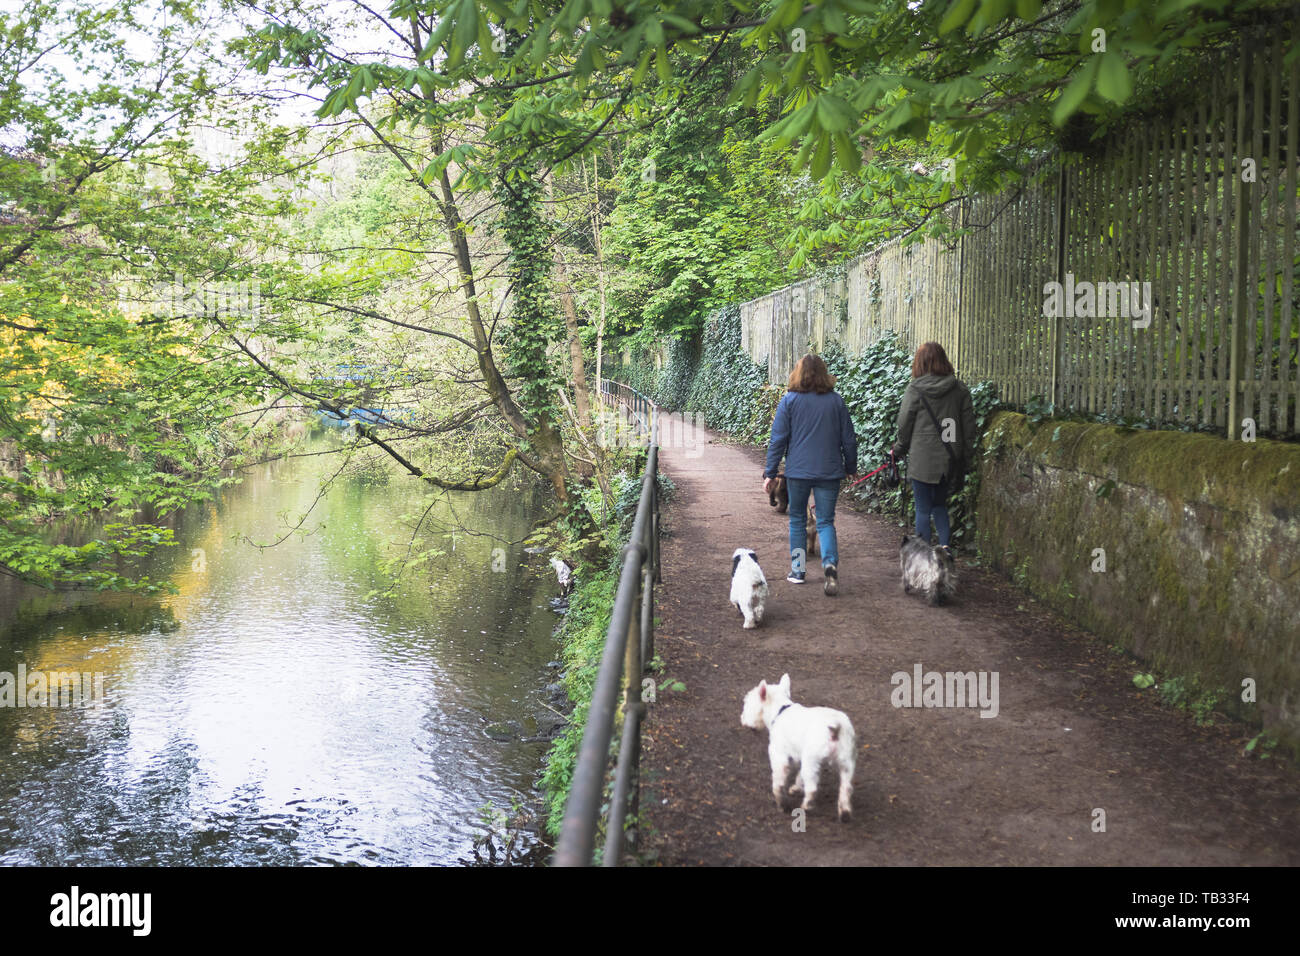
839 737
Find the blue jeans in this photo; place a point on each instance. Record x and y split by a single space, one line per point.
823 494
930 500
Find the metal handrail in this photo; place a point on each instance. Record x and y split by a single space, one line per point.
629 647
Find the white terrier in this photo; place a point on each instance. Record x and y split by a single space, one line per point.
748 586
800 739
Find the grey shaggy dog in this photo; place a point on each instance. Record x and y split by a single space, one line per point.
927 569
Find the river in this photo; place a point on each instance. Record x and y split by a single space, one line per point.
276 710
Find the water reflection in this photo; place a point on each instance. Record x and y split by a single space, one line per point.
273 712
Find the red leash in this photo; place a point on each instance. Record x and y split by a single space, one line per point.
876 472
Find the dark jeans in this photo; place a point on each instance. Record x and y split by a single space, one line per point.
823 494
930 500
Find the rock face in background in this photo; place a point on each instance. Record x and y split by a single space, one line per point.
1201 540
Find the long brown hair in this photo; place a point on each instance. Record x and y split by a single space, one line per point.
931 359
810 374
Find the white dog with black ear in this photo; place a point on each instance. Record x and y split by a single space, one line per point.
748 586
799 741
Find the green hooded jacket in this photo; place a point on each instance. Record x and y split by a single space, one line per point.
917 438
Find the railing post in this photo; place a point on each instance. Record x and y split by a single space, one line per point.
629 743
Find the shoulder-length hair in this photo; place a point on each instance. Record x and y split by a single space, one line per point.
931 359
810 375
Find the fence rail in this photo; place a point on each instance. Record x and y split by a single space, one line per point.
1198 206
629 648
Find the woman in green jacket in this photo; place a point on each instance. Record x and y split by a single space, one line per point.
930 466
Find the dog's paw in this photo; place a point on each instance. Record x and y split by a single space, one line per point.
846 816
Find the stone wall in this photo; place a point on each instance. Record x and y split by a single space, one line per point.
1200 539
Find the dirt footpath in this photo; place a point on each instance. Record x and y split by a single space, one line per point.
933 785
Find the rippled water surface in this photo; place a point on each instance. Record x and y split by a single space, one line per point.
274 713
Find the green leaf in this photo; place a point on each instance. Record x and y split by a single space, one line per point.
821 162
1113 81
850 159
959 12
1076 91
642 67
466 33
833 114
662 67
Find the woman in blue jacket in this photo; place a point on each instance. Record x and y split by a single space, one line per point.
812 432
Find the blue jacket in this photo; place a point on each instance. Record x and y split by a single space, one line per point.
814 435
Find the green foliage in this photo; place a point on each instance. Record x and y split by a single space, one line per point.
676 228
582 641
115 405
675 380
1038 409
640 374
984 399
729 389
668 386
706 214
872 386
1187 693
990 82
629 497
1262 745
534 323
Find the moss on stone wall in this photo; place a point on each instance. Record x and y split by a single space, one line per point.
1201 540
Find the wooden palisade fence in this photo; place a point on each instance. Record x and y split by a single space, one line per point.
1200 203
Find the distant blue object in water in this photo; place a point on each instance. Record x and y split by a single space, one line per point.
367 416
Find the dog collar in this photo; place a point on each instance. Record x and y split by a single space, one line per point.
784 708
